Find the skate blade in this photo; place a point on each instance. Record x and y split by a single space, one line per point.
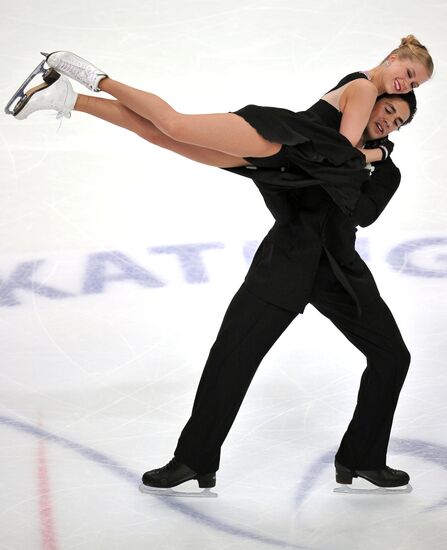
375 491
21 91
206 493
20 98
23 101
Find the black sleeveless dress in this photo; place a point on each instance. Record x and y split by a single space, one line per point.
313 152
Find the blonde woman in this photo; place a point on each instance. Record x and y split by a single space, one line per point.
322 145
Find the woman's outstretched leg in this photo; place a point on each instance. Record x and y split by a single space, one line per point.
115 112
225 132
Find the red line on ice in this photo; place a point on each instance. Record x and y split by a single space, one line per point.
45 508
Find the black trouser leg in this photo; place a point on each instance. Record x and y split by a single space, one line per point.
249 329
377 336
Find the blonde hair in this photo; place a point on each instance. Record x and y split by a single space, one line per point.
411 48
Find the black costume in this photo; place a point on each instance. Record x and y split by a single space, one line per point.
307 257
313 152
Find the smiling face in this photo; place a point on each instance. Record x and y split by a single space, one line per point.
388 115
402 75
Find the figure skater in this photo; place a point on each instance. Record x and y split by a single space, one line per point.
307 257
319 146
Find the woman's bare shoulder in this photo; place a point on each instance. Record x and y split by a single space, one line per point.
360 85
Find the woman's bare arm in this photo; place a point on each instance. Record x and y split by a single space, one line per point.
356 103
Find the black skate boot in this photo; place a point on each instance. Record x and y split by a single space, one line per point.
160 480
384 477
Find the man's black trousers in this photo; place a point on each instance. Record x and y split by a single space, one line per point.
250 328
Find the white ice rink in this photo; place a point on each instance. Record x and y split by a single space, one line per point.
117 261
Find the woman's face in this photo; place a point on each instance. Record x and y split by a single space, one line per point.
387 115
402 75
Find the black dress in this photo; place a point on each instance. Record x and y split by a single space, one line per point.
313 151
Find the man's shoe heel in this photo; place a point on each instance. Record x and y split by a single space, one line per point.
344 475
206 481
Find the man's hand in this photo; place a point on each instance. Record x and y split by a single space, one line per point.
384 145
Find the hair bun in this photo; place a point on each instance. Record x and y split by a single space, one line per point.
410 47
411 41
407 40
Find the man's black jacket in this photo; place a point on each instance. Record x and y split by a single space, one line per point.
307 224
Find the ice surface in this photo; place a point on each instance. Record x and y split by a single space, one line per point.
105 326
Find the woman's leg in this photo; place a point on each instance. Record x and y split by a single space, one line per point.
225 132
116 113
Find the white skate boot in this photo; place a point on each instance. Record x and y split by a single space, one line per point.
54 94
70 64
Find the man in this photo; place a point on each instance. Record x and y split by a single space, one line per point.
307 257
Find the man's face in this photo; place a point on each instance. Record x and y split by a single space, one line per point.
388 114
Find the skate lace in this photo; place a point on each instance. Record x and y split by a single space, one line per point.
60 117
169 466
73 70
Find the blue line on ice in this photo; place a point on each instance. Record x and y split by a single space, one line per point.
134 479
425 450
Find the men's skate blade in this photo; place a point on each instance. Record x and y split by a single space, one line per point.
374 490
206 493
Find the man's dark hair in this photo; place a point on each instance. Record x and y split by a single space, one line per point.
409 98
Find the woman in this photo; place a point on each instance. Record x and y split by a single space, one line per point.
321 141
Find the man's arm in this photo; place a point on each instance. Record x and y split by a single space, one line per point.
376 193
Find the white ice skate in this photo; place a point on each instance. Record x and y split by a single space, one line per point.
54 93
20 95
73 66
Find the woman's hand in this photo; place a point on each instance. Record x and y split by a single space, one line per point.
372 155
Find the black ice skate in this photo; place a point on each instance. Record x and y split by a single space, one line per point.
160 481
387 480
